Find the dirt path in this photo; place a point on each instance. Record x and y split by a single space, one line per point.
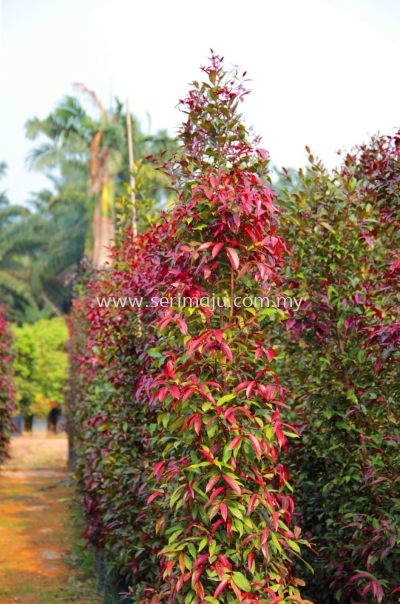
35 528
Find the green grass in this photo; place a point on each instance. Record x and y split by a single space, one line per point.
82 583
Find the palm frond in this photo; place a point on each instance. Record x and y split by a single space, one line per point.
17 288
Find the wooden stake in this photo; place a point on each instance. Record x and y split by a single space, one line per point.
132 178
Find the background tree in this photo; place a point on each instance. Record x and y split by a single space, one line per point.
20 235
97 146
40 364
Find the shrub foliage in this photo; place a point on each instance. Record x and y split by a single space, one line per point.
7 388
341 361
177 414
40 364
188 409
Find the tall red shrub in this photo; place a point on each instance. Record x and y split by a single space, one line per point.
341 361
222 496
178 415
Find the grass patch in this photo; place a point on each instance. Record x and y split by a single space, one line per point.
82 582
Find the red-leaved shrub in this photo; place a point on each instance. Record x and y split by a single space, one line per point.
176 412
7 387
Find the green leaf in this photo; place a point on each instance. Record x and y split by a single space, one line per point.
241 581
327 226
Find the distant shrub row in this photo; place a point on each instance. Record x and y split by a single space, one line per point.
7 387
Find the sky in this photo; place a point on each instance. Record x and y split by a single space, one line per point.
324 73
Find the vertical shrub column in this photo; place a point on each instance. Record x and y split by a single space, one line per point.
222 498
341 360
7 387
109 357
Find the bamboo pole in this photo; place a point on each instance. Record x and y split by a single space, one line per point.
132 178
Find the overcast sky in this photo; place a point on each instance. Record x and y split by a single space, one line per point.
325 73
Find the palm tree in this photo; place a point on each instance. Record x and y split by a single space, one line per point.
16 241
39 248
99 147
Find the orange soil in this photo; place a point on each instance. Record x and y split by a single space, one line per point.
35 505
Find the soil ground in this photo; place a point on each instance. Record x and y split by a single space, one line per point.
40 560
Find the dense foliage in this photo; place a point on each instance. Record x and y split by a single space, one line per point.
7 387
40 364
176 412
341 360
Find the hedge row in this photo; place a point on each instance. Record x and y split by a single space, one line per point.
7 388
177 416
187 421
341 361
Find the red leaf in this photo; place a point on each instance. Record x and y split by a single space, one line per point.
252 503
214 182
262 153
154 495
256 445
270 354
235 442
218 335
187 394
158 466
200 559
233 257
212 482
225 348
228 411
369 241
224 561
250 561
183 326
290 428
204 246
224 511
278 431
393 267
162 394
250 389
234 223
197 423
169 370
232 483
267 392
359 576
164 324
245 411
242 386
243 270
174 390
220 587
200 592
216 493
197 574
265 535
216 249
258 354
